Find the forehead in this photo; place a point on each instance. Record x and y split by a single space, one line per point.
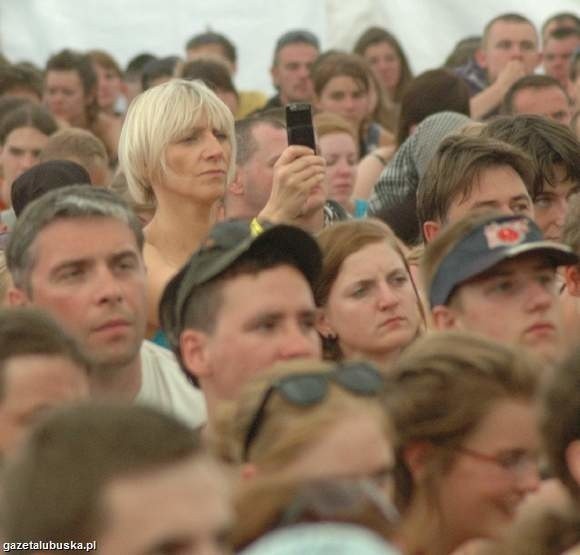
265 134
382 47
23 135
567 44
512 30
546 97
65 77
525 263
86 238
297 52
337 140
345 82
256 291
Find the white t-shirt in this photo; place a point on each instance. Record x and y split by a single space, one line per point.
164 386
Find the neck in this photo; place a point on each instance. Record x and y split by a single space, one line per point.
313 223
178 228
422 532
117 382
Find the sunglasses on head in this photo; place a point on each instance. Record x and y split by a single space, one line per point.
308 389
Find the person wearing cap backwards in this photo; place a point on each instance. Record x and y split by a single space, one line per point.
242 302
496 275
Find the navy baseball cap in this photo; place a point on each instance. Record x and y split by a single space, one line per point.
226 243
495 240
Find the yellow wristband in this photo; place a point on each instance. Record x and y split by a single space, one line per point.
256 227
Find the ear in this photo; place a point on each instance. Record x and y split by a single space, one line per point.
193 349
237 185
322 324
248 471
416 456
572 455
480 58
431 230
444 318
17 297
572 277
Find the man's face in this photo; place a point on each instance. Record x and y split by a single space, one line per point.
551 205
264 318
258 173
507 41
136 526
516 302
65 97
291 73
550 102
32 385
557 56
89 275
498 188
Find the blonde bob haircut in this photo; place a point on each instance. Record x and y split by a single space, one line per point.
160 116
289 430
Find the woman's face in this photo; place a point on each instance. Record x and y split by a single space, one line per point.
197 163
480 494
385 63
372 307
20 152
65 96
341 155
109 87
346 97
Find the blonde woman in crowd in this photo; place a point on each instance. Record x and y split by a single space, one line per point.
177 151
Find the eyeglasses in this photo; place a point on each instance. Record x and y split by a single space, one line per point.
517 461
308 389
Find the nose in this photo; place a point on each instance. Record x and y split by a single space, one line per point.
299 343
539 297
517 52
108 287
529 479
28 160
386 297
214 147
344 168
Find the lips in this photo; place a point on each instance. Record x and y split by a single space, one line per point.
394 322
541 328
112 325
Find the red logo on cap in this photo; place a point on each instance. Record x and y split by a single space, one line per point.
506 234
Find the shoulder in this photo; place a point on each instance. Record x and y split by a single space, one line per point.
165 386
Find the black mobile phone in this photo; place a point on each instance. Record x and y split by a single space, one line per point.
299 125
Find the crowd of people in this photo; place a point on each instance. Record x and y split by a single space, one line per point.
213 341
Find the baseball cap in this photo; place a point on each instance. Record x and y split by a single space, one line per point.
45 177
495 240
226 243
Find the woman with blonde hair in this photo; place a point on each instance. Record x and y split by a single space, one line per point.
369 305
309 419
177 151
465 411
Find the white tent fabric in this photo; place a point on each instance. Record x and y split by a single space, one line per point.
428 29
